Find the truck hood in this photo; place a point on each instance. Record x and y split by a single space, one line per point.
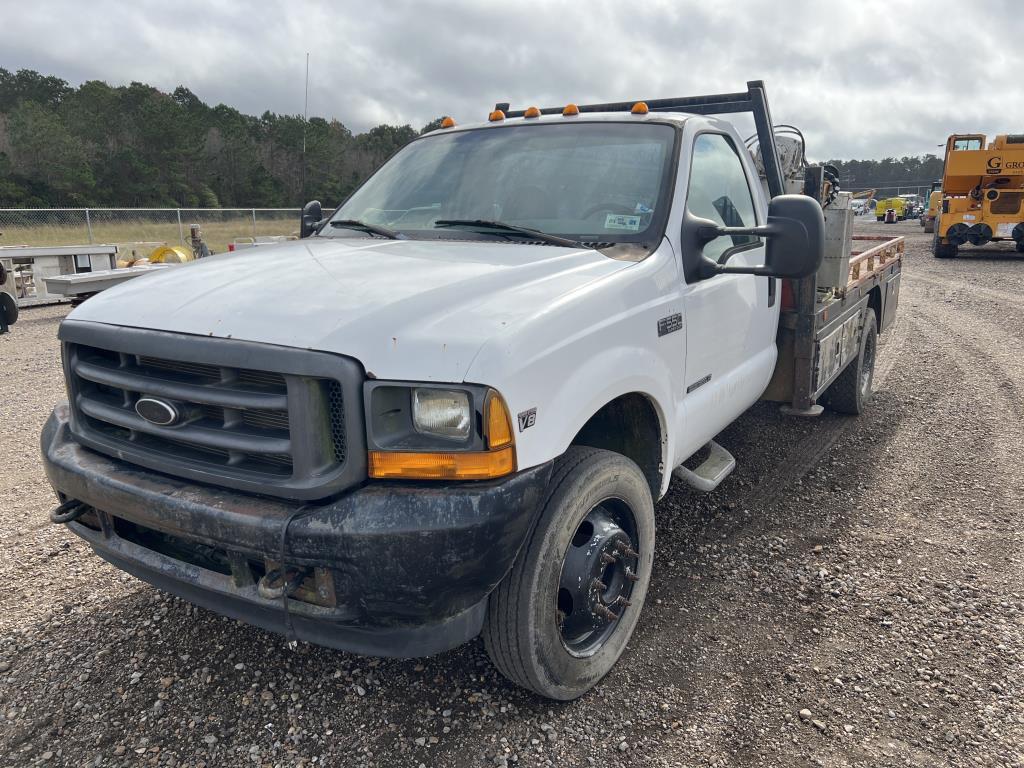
409 309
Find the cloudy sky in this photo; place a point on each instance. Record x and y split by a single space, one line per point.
863 79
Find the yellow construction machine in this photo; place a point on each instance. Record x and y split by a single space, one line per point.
982 192
896 204
932 207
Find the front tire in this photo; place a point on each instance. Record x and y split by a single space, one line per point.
549 624
942 250
850 392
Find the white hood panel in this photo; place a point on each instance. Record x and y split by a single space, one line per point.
409 309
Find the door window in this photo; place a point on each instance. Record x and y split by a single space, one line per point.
719 191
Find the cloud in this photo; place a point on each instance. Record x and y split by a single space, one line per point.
864 79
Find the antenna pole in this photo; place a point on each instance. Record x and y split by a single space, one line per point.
305 114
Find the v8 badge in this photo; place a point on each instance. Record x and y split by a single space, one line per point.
527 419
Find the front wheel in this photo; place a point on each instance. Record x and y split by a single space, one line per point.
565 612
942 250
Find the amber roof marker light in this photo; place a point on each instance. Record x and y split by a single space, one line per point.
570 110
531 112
640 108
496 116
448 122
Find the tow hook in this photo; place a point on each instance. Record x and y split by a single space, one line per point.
280 583
70 510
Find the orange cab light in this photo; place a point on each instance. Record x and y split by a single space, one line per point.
531 112
496 115
571 110
640 108
499 424
475 465
448 123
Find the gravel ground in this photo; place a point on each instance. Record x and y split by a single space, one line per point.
851 596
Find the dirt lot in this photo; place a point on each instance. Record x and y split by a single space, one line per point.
865 570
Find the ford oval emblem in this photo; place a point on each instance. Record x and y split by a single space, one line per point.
156 411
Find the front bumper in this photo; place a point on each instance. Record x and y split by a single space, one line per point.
410 564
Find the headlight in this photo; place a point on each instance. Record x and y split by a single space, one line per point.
441 412
461 432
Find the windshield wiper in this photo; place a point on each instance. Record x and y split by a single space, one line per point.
363 226
536 234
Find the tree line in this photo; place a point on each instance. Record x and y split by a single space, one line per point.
888 173
136 146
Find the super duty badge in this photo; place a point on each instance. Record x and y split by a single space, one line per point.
670 324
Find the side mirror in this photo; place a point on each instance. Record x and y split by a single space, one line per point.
312 215
795 235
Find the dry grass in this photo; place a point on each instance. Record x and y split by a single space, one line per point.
143 236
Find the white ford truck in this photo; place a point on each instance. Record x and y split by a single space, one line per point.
449 408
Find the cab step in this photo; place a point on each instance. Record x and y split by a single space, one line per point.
714 469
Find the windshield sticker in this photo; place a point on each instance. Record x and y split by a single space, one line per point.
620 221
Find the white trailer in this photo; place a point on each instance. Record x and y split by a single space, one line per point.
27 268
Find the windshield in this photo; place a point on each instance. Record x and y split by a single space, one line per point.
592 182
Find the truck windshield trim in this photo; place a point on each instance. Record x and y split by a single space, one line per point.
552 183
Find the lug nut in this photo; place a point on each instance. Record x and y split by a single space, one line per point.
604 613
626 550
631 576
621 600
598 585
608 559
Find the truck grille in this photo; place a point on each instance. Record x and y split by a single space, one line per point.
284 434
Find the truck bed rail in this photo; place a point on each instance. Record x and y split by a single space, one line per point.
867 263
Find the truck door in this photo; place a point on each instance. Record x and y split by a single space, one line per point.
730 319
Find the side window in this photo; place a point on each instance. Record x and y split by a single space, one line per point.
719 191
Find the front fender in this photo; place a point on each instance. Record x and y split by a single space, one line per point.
565 364
592 385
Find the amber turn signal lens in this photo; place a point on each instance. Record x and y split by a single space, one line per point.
476 465
499 460
571 110
640 108
448 123
499 424
531 112
496 115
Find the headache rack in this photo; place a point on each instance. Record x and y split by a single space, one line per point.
753 100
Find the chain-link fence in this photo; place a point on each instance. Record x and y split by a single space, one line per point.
141 228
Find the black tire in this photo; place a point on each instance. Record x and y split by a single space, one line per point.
1020 246
8 308
525 626
851 391
929 226
942 250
